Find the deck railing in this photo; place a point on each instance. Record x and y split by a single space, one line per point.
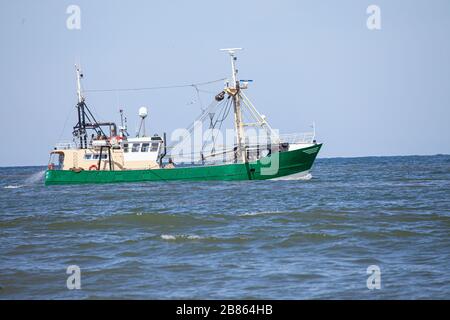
304 137
65 145
256 147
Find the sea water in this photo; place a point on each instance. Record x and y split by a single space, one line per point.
313 238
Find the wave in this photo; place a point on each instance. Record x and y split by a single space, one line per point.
178 237
297 176
270 213
206 239
260 213
13 187
252 214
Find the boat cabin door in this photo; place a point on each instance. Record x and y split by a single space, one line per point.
56 161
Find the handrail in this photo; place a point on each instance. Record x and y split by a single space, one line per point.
304 137
65 145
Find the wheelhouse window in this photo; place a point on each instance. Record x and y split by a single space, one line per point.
87 156
145 147
136 147
155 146
125 147
97 156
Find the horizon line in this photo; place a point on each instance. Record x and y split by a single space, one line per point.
318 158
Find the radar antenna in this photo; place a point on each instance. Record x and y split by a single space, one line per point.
143 113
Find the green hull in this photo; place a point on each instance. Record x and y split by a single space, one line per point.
288 163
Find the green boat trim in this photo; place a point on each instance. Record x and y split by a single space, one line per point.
288 163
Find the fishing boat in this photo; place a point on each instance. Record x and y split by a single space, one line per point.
103 152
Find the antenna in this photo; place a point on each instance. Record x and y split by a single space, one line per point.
123 124
79 77
80 127
231 52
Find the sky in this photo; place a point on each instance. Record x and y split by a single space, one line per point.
369 92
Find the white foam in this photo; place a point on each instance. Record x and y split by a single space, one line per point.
193 237
168 237
297 176
35 177
258 213
172 237
252 214
13 187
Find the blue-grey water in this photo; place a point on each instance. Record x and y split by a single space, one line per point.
305 239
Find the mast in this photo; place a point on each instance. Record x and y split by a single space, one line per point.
81 125
79 76
235 89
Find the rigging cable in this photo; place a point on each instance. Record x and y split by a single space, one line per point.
220 119
200 118
65 123
212 126
156 88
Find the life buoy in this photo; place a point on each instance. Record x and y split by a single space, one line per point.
115 140
93 167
